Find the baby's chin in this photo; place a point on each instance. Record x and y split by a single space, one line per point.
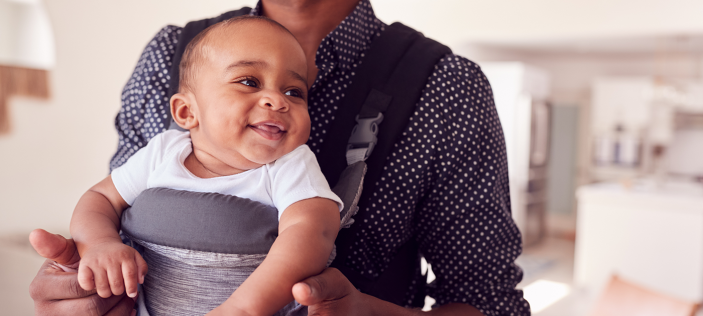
263 156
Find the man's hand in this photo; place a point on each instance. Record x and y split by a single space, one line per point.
331 293
56 292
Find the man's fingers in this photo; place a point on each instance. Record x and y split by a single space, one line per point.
124 307
54 247
91 305
326 286
54 284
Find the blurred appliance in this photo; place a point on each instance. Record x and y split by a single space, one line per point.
521 95
644 126
685 152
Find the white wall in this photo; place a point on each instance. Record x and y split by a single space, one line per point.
457 21
8 13
58 148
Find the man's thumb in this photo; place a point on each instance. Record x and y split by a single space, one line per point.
326 286
54 247
303 294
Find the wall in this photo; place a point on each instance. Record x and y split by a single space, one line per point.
8 13
500 21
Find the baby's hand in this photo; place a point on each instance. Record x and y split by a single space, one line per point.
104 266
228 309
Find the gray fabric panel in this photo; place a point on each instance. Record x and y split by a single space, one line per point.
210 222
184 282
349 188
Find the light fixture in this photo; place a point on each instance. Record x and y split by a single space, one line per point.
26 53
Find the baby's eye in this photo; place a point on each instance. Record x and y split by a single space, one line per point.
294 93
249 82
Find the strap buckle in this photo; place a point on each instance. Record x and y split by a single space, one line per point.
363 138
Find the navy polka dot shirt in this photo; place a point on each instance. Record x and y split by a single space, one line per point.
444 185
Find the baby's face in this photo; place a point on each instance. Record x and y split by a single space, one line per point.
251 95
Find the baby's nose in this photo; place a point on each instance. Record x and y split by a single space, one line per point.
274 103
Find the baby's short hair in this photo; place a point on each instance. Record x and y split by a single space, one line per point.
194 52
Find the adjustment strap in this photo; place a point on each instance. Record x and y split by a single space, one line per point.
363 137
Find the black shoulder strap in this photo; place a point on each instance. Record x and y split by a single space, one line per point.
187 34
391 77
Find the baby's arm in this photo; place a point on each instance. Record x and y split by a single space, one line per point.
306 234
105 260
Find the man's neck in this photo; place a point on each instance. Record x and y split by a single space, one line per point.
309 20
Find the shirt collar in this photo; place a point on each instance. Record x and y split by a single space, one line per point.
352 37
257 9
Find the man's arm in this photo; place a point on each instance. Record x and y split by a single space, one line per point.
56 292
465 228
145 102
330 293
466 231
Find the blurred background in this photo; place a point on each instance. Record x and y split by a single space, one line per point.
601 104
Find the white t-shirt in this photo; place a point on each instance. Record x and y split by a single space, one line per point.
294 177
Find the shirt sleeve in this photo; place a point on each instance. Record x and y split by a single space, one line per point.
465 228
297 176
132 177
145 110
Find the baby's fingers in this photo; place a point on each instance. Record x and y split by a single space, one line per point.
85 278
142 268
102 283
114 274
131 281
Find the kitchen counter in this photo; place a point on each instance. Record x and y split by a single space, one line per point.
648 233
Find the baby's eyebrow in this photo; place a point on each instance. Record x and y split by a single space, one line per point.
246 63
299 77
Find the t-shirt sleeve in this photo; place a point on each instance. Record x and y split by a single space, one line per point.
132 177
297 176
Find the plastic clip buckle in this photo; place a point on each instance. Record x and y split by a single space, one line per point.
364 134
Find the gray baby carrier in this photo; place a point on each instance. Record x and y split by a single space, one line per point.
201 246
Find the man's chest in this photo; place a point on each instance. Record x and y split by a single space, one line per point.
324 99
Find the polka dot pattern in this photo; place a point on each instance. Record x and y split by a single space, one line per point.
145 103
445 184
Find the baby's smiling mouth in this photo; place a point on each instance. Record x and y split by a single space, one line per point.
269 129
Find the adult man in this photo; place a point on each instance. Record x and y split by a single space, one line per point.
444 185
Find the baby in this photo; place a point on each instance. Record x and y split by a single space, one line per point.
243 99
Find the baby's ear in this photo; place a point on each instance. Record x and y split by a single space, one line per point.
183 110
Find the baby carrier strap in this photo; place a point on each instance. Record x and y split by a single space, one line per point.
199 221
219 223
390 79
